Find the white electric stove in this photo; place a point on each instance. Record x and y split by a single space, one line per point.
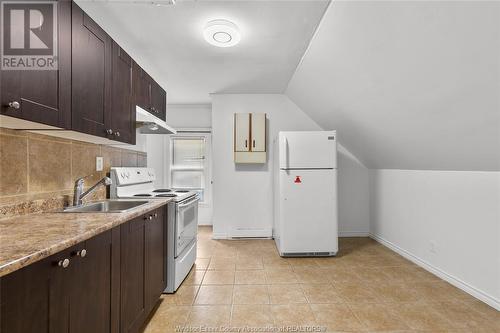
182 214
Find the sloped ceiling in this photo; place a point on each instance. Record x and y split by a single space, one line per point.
408 85
168 42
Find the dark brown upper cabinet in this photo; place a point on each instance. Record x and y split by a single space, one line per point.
121 117
42 96
95 89
158 100
141 87
91 75
148 94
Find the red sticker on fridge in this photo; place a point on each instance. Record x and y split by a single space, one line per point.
297 180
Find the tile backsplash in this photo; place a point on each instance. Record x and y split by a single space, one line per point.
37 172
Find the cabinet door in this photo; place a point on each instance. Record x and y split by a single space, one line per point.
241 132
133 270
35 299
158 100
156 279
258 121
122 116
142 89
44 96
91 74
91 285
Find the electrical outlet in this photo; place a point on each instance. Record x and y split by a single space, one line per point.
99 163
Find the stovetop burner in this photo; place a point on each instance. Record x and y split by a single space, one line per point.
142 195
166 195
162 190
182 191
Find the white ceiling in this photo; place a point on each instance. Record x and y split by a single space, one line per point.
168 42
409 84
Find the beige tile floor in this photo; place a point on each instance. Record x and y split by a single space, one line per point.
366 288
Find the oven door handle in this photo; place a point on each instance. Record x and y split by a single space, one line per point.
189 202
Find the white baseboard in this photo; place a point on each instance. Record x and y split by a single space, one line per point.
251 233
219 236
354 234
482 296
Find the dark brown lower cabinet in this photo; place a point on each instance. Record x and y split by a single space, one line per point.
93 304
156 252
143 270
133 272
35 299
107 284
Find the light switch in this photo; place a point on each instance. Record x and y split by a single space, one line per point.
98 163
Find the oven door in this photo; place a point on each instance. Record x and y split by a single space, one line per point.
186 223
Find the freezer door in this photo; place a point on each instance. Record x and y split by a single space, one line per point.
308 211
300 150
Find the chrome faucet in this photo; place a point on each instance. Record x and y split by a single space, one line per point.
79 195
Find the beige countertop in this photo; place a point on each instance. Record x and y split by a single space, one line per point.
29 238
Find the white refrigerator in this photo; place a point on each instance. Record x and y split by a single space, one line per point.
305 193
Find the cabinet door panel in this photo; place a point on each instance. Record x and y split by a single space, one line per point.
90 309
241 132
133 256
258 131
91 74
122 115
44 95
35 299
156 257
142 87
158 100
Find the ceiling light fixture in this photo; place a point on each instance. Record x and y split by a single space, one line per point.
222 33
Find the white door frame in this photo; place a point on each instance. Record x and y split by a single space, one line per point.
205 213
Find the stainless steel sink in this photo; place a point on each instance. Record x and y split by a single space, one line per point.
107 206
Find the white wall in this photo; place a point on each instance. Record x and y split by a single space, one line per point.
408 83
189 115
457 211
243 202
353 192
158 157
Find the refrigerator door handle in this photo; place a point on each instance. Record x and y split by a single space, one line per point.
287 153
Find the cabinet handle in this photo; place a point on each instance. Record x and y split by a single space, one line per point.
246 143
150 217
117 133
63 263
82 253
253 143
156 215
14 105
109 131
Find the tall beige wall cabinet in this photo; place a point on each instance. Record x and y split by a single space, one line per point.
250 138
